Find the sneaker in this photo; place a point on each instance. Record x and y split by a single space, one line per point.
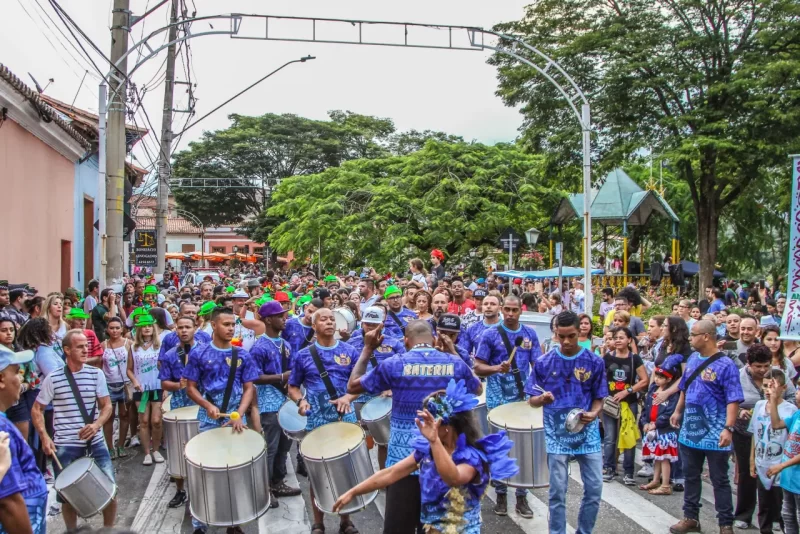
113 453
628 480
273 502
776 527
48 476
134 442
301 467
501 508
178 499
281 489
148 459
678 487
608 475
685 525
121 452
157 457
738 524
522 508
645 471
55 509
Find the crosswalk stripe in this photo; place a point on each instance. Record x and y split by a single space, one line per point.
536 525
643 512
291 514
380 500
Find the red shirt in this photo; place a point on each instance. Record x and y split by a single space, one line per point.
460 309
95 349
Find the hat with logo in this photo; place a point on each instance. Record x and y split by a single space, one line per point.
373 315
76 313
8 357
479 294
206 309
270 309
391 291
449 322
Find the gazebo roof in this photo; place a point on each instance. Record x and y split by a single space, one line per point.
618 199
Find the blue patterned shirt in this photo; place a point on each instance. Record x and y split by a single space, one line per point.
502 388
390 347
575 382
471 340
296 333
390 326
171 369
268 355
412 376
707 402
24 477
172 340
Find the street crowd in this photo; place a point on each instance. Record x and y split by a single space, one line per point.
707 385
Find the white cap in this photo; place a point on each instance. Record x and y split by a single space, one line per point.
239 294
373 314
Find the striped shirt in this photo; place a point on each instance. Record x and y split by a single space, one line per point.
67 419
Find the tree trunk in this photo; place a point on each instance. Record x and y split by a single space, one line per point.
707 228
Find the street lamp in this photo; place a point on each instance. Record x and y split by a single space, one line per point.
532 236
235 249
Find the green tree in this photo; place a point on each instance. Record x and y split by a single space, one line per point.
713 85
381 212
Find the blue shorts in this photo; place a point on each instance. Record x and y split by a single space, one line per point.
119 394
67 454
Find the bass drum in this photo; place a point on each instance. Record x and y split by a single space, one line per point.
345 320
228 477
337 460
85 487
524 426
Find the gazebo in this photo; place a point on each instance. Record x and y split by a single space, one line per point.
620 202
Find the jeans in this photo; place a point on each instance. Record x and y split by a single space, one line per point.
610 452
693 460
502 489
592 477
770 502
791 505
278 446
746 487
676 475
67 454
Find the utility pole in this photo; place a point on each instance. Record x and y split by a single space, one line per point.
115 143
164 170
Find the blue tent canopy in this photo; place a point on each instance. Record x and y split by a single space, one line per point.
566 272
691 268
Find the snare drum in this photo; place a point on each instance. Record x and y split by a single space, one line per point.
292 423
481 412
345 320
524 426
376 414
337 460
85 487
180 425
228 477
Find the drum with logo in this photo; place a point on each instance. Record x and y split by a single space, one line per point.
524 426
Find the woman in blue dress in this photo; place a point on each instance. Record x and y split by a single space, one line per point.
455 463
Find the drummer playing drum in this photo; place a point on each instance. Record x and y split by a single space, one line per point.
566 378
206 373
337 359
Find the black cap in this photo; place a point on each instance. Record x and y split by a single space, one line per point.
321 293
479 294
449 321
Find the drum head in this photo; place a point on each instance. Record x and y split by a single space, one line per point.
222 447
376 408
73 472
517 416
289 419
331 440
187 413
165 405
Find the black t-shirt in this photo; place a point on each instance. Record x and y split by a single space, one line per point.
438 271
620 376
98 323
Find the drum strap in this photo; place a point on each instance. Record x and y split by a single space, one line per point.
700 369
323 374
284 364
182 352
88 418
514 367
398 321
226 397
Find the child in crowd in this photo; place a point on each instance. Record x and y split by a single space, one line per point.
660 443
766 451
788 465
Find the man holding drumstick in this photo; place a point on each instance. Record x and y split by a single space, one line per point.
566 378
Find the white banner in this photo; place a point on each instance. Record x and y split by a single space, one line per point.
790 324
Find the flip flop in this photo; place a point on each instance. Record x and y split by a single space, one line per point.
347 527
318 528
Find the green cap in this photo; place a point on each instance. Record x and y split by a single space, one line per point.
145 319
138 311
206 309
305 299
76 313
331 278
230 289
150 290
263 300
391 291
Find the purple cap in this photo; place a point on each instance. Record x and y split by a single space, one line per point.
271 308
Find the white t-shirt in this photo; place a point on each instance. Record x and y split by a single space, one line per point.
769 443
419 277
67 419
89 303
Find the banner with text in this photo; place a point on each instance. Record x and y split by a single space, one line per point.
790 324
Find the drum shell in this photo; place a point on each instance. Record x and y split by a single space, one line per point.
224 497
332 477
177 433
380 428
344 317
91 492
481 412
530 451
296 435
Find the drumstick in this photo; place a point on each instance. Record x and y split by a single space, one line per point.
517 344
55 459
234 416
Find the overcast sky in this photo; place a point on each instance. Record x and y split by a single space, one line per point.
451 91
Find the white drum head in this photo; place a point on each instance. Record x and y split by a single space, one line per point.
289 419
73 472
376 408
187 413
331 440
517 416
222 447
165 405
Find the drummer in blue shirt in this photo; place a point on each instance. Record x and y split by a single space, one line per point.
23 493
491 318
506 377
397 315
320 405
299 331
187 309
570 377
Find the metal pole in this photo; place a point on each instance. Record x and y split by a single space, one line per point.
101 180
319 257
510 254
115 142
587 204
162 200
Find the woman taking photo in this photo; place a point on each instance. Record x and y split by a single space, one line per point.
115 365
422 304
770 336
626 376
53 314
143 373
